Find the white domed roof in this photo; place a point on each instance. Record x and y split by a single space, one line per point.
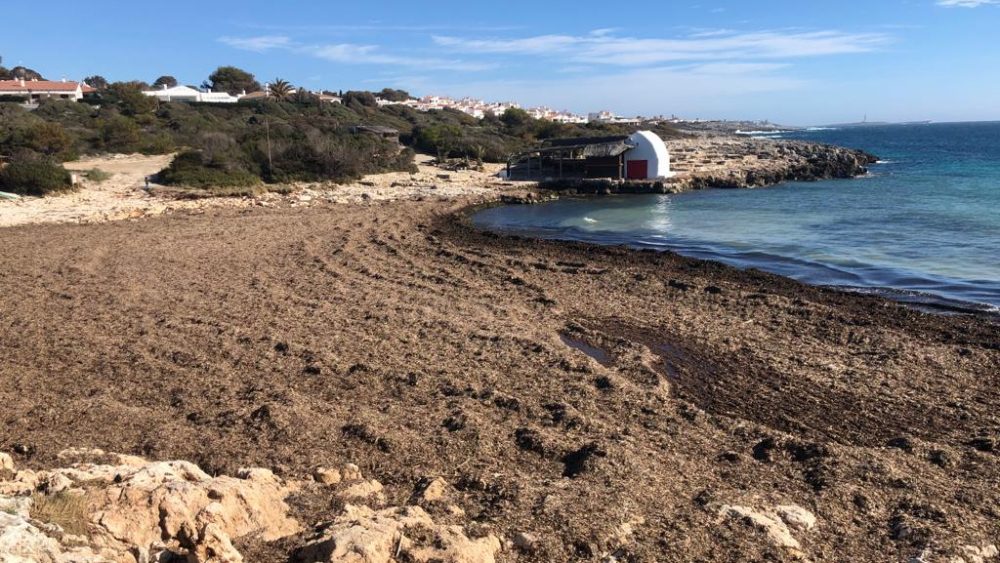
651 148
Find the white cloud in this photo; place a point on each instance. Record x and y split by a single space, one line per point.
693 90
630 51
258 44
340 29
351 53
967 3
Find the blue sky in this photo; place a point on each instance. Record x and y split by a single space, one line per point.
792 62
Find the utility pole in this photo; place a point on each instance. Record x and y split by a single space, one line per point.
267 129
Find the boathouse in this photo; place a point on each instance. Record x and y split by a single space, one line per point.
640 156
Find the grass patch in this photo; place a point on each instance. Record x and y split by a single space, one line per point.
67 510
97 175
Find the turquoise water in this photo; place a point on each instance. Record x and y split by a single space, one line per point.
923 227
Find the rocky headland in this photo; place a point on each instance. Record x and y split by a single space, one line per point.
735 162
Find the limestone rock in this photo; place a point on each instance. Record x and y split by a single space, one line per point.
351 472
6 462
177 501
22 483
976 554
214 546
210 543
772 526
796 517
138 508
18 506
435 491
327 476
363 535
55 483
363 490
21 542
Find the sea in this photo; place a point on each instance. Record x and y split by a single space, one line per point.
922 227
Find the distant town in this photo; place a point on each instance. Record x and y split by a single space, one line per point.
472 106
33 90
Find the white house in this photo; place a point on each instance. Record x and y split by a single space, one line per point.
567 117
648 159
218 98
34 90
188 94
175 94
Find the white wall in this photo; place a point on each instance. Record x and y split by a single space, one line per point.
649 147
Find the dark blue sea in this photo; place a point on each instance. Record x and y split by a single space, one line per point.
922 227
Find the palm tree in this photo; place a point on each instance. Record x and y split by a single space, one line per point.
280 89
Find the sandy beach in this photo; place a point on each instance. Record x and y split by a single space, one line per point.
579 402
700 162
123 195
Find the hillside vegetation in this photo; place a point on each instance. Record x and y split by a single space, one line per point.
295 138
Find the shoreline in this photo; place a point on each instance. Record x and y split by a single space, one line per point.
517 399
702 162
728 162
519 371
922 300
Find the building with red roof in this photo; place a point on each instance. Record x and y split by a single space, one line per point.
35 90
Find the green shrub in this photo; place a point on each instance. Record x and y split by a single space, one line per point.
130 99
119 134
190 169
48 138
366 99
97 175
160 143
33 175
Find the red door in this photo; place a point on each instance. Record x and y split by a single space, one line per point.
637 170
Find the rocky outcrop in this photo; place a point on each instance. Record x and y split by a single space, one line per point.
364 535
115 508
21 541
773 163
733 163
776 524
133 509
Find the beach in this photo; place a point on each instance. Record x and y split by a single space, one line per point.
578 402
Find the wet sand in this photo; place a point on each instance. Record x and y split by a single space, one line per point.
604 400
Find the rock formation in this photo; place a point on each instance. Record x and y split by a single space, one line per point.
728 162
108 507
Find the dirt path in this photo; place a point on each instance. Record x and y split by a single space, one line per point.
119 197
391 336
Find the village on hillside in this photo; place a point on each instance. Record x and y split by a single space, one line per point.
34 89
